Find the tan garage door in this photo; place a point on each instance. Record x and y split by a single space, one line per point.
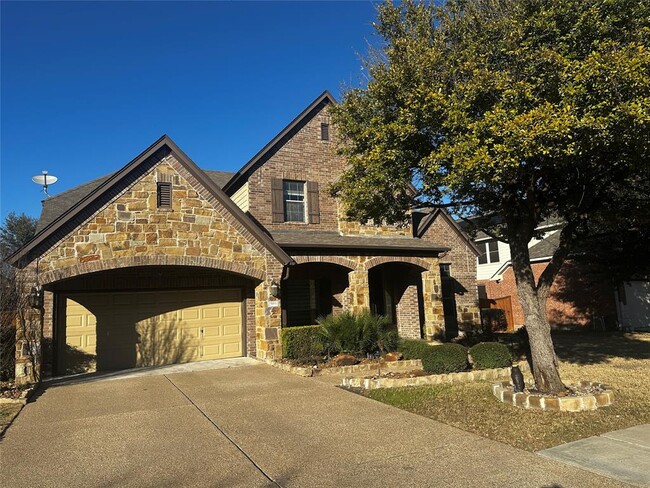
125 330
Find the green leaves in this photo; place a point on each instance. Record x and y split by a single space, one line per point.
511 105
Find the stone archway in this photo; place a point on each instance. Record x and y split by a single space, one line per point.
83 268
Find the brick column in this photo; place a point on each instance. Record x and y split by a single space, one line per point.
408 317
359 295
434 316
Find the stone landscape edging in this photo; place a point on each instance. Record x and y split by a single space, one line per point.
433 379
365 368
403 365
503 392
22 399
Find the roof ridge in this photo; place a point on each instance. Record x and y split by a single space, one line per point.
325 97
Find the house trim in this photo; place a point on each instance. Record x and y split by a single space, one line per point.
431 217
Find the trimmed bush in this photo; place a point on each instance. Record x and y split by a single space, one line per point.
302 343
445 358
412 348
488 355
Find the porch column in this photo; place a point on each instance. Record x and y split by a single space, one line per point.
359 291
408 316
268 316
434 315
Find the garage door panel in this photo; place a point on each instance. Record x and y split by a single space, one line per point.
151 328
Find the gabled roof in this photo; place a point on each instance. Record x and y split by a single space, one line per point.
56 205
278 141
105 190
430 217
540 252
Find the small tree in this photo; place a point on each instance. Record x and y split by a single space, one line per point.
16 315
510 111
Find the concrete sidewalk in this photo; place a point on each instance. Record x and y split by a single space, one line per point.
252 426
623 454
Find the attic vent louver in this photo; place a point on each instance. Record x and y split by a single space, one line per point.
164 195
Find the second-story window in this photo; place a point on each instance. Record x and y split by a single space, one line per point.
294 201
489 252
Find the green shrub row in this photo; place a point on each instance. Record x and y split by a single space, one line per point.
488 355
452 358
412 348
303 343
445 358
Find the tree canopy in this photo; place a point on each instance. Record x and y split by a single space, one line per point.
512 112
15 232
532 108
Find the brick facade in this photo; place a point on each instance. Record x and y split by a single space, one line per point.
574 298
304 157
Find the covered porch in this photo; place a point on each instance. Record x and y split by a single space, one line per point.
406 289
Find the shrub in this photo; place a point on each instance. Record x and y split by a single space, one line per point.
377 333
412 348
302 343
364 333
445 358
339 333
487 355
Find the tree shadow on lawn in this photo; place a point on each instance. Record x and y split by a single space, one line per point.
594 347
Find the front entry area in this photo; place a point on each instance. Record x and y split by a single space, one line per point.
109 331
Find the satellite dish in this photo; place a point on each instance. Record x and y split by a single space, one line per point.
45 180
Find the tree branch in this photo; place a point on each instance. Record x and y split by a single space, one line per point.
488 232
559 256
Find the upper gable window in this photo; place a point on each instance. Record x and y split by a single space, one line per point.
294 201
164 195
489 252
324 132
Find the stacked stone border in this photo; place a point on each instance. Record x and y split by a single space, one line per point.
433 379
24 397
306 371
504 392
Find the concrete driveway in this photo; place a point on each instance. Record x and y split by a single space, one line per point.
251 426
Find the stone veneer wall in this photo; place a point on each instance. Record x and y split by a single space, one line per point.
132 225
463 269
132 231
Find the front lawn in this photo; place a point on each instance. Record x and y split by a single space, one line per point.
620 361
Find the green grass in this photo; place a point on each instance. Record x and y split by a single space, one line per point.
622 362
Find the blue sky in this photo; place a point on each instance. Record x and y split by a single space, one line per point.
86 86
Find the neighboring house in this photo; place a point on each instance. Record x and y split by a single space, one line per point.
575 299
163 262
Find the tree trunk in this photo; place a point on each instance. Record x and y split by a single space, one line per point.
533 304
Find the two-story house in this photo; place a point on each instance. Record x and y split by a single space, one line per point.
163 262
574 300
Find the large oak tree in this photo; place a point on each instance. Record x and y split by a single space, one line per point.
512 111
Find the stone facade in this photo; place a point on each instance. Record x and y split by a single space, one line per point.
408 312
132 225
462 261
